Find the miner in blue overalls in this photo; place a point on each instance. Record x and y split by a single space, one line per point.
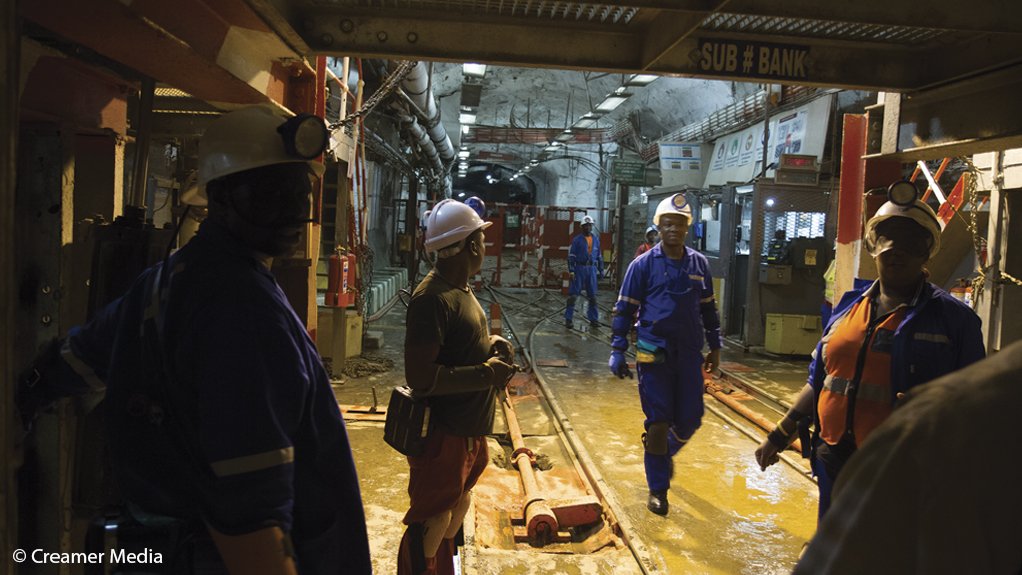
585 264
671 289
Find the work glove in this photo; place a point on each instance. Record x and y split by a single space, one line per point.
767 455
502 348
618 366
502 372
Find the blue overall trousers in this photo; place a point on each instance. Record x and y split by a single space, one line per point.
671 390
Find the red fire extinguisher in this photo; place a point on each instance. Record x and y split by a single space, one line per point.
344 297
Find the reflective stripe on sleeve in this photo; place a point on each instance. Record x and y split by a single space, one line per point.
695 277
867 391
250 463
706 299
81 368
628 300
934 337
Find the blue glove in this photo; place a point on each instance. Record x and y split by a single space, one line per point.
618 366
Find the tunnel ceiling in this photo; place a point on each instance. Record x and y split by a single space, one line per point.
893 45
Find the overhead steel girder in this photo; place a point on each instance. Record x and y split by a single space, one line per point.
518 42
997 16
968 117
219 52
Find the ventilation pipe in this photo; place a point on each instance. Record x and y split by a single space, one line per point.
416 87
418 135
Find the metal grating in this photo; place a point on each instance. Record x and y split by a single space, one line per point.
550 9
825 29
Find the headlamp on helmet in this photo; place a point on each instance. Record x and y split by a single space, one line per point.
305 136
902 193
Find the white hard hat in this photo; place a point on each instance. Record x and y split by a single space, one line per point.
450 222
587 220
243 140
651 229
676 204
917 211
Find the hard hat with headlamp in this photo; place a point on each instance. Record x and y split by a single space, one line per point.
255 137
676 204
903 202
651 230
588 220
450 222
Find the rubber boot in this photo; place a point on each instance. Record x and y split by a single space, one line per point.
657 502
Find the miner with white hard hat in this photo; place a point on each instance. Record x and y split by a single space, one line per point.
453 362
221 419
667 295
883 339
652 237
585 266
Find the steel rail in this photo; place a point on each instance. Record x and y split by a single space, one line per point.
584 465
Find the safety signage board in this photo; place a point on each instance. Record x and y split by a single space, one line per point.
628 172
754 59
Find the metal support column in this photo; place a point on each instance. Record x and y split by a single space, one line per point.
9 92
990 305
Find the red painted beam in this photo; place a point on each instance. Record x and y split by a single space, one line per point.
173 43
851 187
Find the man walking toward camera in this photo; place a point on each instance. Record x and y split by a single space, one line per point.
670 289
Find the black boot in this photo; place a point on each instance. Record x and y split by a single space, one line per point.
657 502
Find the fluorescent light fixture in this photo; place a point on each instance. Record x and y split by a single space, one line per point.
464 154
466 118
586 121
641 79
611 102
461 195
533 162
463 165
564 136
464 129
551 148
474 70
770 202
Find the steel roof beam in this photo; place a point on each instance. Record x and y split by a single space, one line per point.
996 16
519 42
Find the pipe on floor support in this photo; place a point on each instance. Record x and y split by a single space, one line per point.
539 517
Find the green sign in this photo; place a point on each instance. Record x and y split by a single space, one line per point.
629 173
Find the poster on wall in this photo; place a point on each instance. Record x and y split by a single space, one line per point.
737 157
718 156
734 147
788 134
749 147
680 156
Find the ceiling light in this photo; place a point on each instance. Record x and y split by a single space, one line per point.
586 121
564 136
533 162
611 102
551 148
474 70
466 118
464 154
461 195
641 79
464 129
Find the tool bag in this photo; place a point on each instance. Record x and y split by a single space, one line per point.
407 426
